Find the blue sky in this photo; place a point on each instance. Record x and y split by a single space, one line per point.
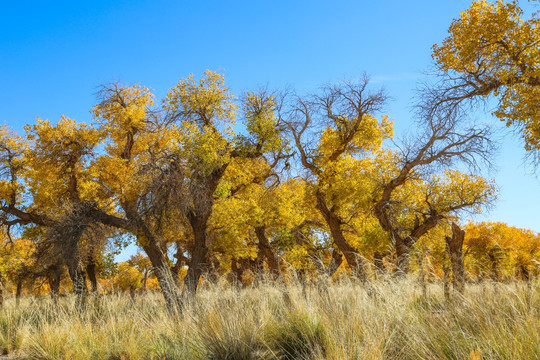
54 54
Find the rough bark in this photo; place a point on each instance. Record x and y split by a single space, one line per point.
237 272
266 250
165 278
78 279
54 278
335 263
91 272
198 217
454 248
181 261
334 224
197 265
403 252
378 262
18 291
525 274
162 270
145 280
1 290
446 283
494 260
422 275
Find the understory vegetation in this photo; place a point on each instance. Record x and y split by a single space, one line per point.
388 319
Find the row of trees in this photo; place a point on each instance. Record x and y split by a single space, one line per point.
208 183
489 250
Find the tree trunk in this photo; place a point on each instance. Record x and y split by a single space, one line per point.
333 222
446 283
525 274
378 262
132 293
237 272
18 291
454 248
335 263
266 250
1 290
273 263
301 276
54 281
162 270
199 225
494 266
422 275
403 251
181 261
145 280
78 279
165 278
91 272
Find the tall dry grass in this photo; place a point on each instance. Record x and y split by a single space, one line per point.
345 320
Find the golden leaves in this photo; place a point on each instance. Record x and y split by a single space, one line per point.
494 51
204 102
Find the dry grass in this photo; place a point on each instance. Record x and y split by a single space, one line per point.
385 320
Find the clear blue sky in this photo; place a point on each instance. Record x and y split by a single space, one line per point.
54 54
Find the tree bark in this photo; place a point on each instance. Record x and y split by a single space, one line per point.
18 291
181 261
198 218
1 290
334 223
162 270
525 274
403 251
78 279
145 280
446 283
454 248
197 265
165 278
54 277
237 272
378 262
494 265
422 275
266 250
91 272
335 263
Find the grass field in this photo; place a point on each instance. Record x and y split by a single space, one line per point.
382 320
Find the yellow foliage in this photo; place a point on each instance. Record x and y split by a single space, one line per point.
493 46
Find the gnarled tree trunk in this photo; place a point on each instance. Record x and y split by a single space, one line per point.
91 272
378 262
454 248
403 252
18 291
54 276
334 223
1 290
335 263
78 279
199 225
266 250
164 275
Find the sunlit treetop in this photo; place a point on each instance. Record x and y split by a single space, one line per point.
57 161
123 115
492 50
12 149
205 102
